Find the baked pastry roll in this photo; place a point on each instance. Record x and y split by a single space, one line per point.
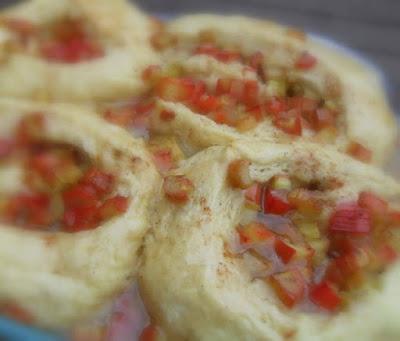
226 78
74 196
73 49
274 243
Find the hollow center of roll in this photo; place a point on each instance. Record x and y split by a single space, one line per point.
316 254
61 188
66 40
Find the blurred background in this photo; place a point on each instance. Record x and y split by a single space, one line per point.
371 27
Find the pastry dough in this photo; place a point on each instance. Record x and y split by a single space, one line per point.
124 33
195 289
355 88
59 278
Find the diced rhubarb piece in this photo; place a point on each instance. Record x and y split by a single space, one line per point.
359 152
343 243
113 207
276 202
30 128
325 296
349 217
102 182
256 60
394 218
24 28
341 269
306 61
80 218
253 194
167 115
289 286
31 209
387 254
323 118
289 122
284 250
206 104
305 202
223 86
224 56
239 174
275 106
177 188
53 168
243 91
245 124
152 73
72 51
377 206
176 89
303 104
120 116
254 233
163 159
6 148
220 117
257 112
80 195
250 95
149 333
144 107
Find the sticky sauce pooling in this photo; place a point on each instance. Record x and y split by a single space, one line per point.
315 254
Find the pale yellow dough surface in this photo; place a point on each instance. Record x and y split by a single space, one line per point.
68 279
356 88
124 33
196 291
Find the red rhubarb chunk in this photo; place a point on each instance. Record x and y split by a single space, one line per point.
289 122
289 286
100 181
325 296
254 233
112 207
350 217
73 51
253 194
284 250
163 160
149 333
306 61
377 206
6 148
80 195
177 188
176 89
31 209
80 218
276 202
359 152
